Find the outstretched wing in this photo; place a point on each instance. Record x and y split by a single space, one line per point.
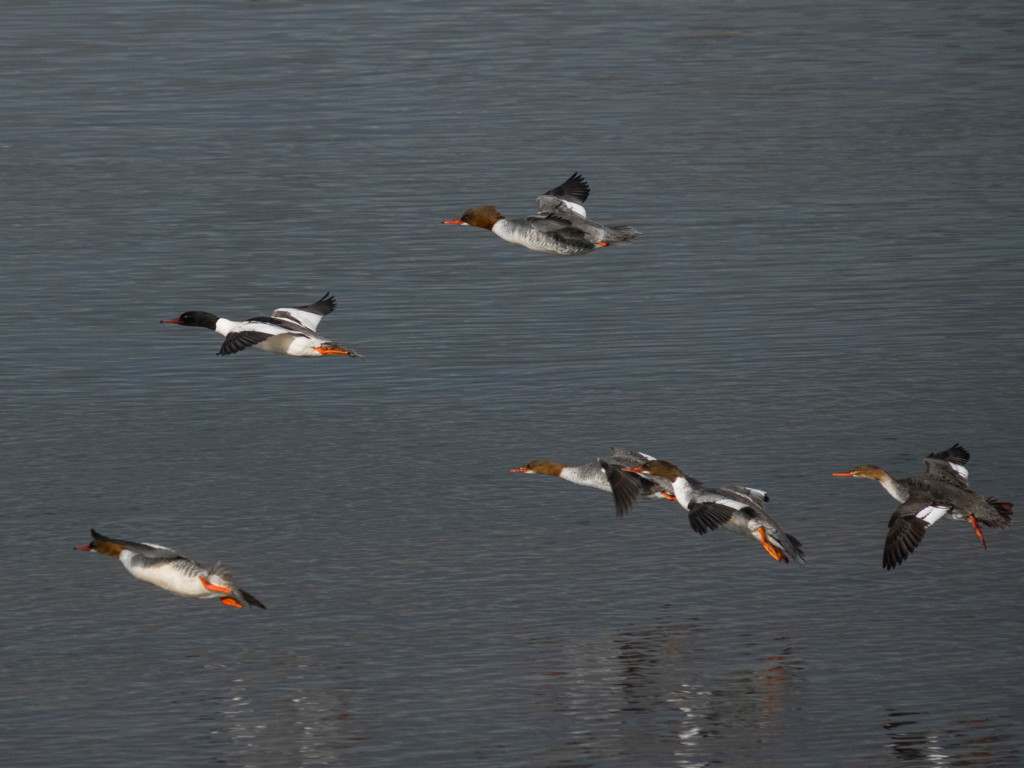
751 497
239 340
573 189
625 487
712 508
650 485
308 316
565 202
948 465
706 516
629 457
150 550
552 222
907 527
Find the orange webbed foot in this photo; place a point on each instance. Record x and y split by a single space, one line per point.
231 601
771 549
214 587
329 351
977 530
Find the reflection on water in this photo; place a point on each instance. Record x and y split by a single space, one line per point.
302 722
661 695
916 737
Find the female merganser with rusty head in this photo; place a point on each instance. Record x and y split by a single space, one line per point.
168 570
735 507
940 492
560 226
288 331
606 474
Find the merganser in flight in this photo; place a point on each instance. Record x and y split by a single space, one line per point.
734 507
606 474
560 226
941 491
288 331
168 570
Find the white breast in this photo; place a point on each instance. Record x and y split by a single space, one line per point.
170 575
683 491
225 326
291 344
522 235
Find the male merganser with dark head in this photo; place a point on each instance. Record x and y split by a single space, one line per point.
941 491
606 474
560 225
289 331
168 570
734 507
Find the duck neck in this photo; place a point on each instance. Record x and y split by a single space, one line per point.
894 487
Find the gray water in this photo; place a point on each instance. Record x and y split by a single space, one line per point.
831 197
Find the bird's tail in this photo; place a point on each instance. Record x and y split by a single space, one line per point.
251 600
1004 512
622 234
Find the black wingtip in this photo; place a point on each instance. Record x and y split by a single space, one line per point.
707 517
236 342
957 454
322 306
905 535
575 189
891 558
576 179
625 488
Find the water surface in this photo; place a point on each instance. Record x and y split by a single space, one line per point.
831 201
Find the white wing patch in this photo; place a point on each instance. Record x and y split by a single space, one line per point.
958 469
575 208
930 514
267 328
731 503
308 320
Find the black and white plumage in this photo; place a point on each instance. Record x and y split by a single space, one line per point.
288 331
942 491
606 474
735 507
559 227
949 466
